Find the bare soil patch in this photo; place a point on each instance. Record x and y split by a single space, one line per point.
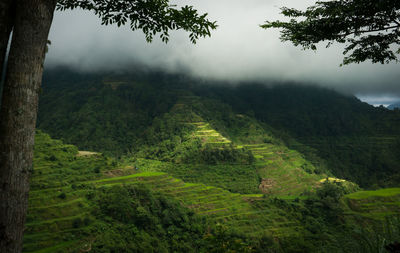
267 185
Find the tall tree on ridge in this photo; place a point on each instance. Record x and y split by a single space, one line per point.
369 28
30 22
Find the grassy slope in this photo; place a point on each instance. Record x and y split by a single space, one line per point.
275 170
60 212
60 216
375 205
231 192
109 112
357 141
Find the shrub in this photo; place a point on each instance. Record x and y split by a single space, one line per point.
62 195
77 223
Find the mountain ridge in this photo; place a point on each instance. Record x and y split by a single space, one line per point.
394 106
115 113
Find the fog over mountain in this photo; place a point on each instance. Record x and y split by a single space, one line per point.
239 50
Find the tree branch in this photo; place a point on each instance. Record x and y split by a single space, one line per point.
370 31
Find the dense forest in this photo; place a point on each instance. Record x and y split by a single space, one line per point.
122 114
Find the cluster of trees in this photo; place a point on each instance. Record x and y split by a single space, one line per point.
369 29
217 155
30 21
133 117
67 167
325 226
102 118
135 219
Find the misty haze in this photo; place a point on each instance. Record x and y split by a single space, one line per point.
260 126
238 50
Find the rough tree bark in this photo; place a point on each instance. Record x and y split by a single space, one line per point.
7 12
32 23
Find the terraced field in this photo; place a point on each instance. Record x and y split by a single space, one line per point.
61 215
208 135
285 172
61 208
202 129
56 218
374 204
65 221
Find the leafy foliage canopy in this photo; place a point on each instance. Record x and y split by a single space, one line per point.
152 17
370 28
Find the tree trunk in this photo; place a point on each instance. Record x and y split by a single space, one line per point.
18 115
7 13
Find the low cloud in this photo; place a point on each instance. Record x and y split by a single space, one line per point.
239 50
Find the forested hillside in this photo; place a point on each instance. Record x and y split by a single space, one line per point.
173 164
151 114
358 141
84 201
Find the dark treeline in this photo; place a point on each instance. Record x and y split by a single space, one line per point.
358 141
120 114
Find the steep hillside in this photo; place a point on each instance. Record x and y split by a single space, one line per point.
355 140
98 114
138 113
84 201
375 204
64 212
218 147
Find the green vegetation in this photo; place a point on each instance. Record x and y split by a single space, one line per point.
207 168
137 220
123 208
376 205
351 139
195 151
105 211
103 116
235 178
378 193
368 28
159 116
59 165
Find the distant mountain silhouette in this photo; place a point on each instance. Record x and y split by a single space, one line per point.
393 106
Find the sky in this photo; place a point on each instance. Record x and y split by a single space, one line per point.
239 50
